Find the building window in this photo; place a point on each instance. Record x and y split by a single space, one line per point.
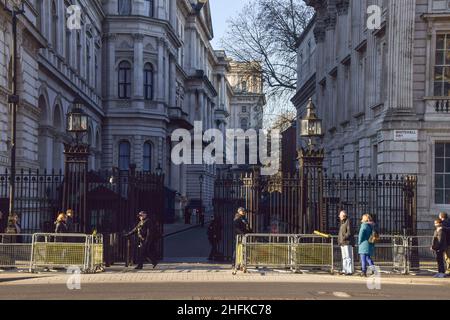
96 71
148 7
244 109
442 67
148 81
147 160
244 86
88 62
79 51
124 155
39 15
124 80
442 173
244 123
125 7
54 25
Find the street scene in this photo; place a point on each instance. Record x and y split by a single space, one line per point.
212 150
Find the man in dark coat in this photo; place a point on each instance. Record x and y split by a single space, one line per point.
214 236
439 245
147 237
240 223
345 241
241 227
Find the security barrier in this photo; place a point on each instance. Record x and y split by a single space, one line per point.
293 252
314 252
67 250
393 253
15 250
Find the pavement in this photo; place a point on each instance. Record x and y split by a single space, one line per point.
186 274
195 281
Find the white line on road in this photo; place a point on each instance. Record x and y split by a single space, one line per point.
341 295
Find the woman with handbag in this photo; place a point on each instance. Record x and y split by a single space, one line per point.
366 243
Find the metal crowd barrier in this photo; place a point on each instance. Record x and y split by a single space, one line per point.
15 250
293 252
66 250
393 253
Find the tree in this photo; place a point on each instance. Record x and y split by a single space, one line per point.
268 31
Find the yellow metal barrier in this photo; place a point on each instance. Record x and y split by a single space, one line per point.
292 252
67 250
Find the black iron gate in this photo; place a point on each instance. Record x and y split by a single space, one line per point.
294 204
112 201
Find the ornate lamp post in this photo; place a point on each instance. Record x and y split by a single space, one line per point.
15 8
76 162
311 172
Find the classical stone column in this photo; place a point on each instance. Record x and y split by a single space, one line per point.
160 82
172 82
138 76
400 56
110 73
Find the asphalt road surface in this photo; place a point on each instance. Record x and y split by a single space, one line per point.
221 291
191 243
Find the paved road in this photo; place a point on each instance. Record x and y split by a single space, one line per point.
202 281
191 243
222 291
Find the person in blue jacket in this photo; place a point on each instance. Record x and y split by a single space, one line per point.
366 249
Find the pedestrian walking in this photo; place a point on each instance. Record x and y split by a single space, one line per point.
443 216
214 237
366 243
241 227
69 221
60 224
147 239
346 241
439 246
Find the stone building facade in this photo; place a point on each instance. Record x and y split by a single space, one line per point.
143 68
383 92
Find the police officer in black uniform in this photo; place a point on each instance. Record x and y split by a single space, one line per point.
147 237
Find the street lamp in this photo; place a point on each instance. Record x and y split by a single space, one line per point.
15 8
76 154
311 169
77 120
311 125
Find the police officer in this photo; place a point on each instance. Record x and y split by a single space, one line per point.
147 238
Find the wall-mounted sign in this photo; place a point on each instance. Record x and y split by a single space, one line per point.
406 135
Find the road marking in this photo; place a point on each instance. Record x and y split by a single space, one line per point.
341 295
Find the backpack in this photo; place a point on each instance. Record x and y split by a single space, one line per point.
374 237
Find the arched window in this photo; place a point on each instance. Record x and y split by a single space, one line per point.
124 155
147 160
124 80
244 123
148 81
54 26
148 7
125 7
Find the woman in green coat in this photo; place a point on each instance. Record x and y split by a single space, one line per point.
365 248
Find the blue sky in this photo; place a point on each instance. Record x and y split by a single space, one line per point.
222 10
